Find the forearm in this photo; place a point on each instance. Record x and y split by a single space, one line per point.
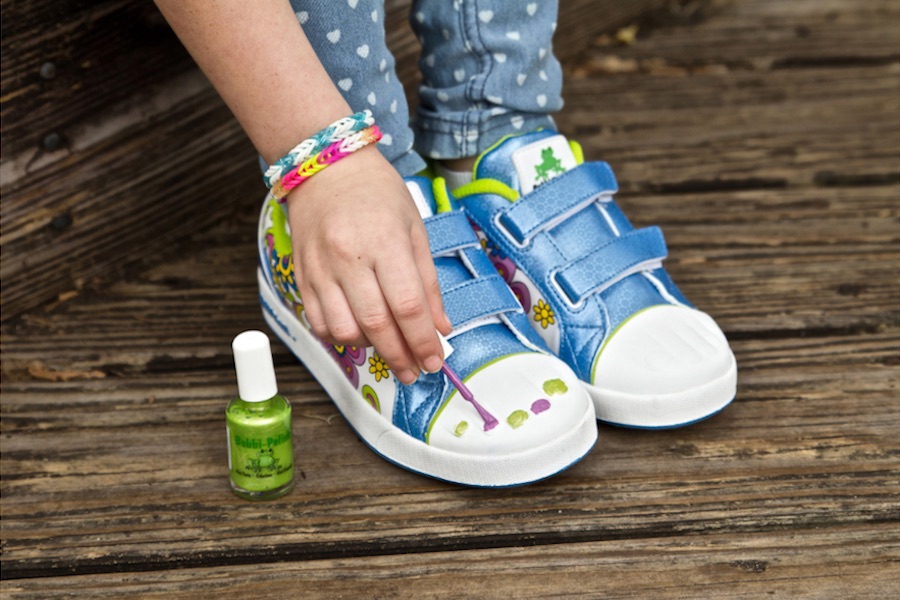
259 60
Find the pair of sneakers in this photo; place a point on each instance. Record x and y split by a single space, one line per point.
562 314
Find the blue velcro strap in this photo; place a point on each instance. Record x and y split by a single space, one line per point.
478 298
449 232
535 211
479 262
606 265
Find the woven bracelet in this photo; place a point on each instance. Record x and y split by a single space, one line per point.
328 156
312 146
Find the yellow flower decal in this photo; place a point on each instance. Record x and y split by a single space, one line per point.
284 270
378 367
543 314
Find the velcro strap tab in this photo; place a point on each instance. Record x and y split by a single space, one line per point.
479 261
553 200
449 232
599 269
478 298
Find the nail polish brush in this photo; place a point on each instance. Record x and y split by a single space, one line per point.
490 421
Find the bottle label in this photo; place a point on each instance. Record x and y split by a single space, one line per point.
260 460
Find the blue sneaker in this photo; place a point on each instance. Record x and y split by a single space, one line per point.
538 419
594 285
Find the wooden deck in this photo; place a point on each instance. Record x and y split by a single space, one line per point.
762 135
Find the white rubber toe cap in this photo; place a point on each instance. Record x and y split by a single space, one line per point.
535 398
666 366
546 422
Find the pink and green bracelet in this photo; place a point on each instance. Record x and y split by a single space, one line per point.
312 146
328 156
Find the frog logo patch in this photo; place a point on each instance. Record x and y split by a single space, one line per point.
263 462
549 167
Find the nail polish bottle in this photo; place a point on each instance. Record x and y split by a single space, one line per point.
260 444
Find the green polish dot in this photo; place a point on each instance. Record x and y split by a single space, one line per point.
460 429
555 387
517 418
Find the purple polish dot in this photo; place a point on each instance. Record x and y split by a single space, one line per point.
540 406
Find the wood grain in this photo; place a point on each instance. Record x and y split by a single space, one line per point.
808 444
786 565
775 178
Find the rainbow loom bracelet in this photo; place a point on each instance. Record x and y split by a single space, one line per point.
328 156
312 146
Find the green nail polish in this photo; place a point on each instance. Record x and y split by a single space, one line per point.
260 442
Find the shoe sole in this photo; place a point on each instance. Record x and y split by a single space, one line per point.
405 451
667 411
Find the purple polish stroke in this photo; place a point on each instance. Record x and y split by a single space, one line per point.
490 421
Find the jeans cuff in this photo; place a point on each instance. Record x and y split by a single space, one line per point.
468 134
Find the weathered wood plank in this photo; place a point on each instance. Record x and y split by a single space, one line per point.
765 36
64 61
852 562
57 229
777 191
99 477
743 130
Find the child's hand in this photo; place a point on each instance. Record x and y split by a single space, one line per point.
363 266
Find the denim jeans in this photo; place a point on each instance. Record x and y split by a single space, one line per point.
487 66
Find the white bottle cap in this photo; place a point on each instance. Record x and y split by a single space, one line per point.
253 364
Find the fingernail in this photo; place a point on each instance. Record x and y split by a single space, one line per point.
408 376
432 364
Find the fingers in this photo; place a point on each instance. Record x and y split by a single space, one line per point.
367 272
379 326
354 312
327 312
401 283
396 308
340 318
393 309
313 311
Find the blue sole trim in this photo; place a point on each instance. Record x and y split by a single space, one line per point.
667 427
284 329
468 485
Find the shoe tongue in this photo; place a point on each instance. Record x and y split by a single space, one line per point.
420 190
524 162
431 197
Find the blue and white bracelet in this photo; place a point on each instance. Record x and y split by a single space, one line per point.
314 145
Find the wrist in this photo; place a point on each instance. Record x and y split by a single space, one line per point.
336 151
